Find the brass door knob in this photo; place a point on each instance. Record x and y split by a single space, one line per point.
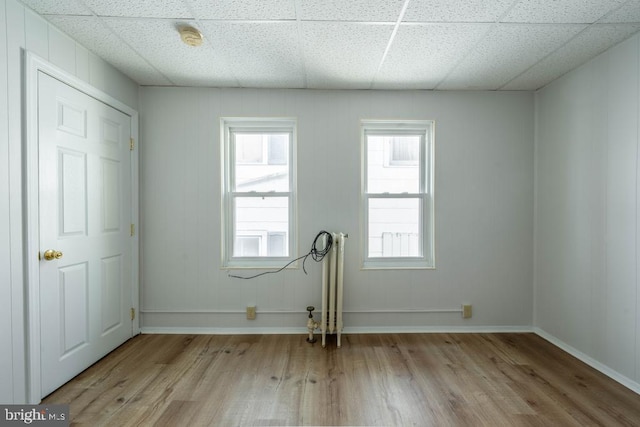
50 254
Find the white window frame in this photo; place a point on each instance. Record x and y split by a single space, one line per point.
229 126
425 129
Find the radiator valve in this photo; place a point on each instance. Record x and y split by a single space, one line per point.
311 325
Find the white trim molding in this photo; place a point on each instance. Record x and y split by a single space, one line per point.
614 375
352 330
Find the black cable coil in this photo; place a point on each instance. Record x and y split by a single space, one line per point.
316 254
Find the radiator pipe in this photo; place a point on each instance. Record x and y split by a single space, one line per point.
311 325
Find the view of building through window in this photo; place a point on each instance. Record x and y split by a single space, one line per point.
393 169
261 223
258 186
397 194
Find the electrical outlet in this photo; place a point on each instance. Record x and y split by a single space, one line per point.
466 311
251 312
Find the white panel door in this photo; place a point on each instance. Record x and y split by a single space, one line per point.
85 210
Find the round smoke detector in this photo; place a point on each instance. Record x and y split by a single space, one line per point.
190 36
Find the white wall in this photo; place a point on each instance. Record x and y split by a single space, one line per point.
586 293
586 287
20 28
484 209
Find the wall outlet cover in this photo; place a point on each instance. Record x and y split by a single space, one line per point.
251 312
466 311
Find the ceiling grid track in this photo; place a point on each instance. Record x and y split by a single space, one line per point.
209 42
473 48
115 34
390 43
589 25
303 59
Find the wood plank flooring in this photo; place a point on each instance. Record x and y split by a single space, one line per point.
389 379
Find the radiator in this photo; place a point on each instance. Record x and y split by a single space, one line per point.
332 289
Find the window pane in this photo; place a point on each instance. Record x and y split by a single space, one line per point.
262 162
278 149
249 148
247 245
404 151
394 227
261 216
393 164
277 244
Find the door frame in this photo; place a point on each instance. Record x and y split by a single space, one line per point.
33 65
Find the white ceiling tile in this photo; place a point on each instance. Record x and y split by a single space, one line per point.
422 55
630 12
343 55
140 8
261 54
244 9
90 32
561 11
62 7
586 45
351 10
507 51
163 48
340 43
456 10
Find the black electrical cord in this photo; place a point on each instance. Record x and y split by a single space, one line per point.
316 254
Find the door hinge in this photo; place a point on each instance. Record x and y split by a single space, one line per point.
133 313
133 229
132 144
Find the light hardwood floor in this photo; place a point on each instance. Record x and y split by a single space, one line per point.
390 379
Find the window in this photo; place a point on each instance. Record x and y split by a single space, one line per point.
258 197
397 194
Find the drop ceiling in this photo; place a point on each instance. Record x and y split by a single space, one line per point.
347 44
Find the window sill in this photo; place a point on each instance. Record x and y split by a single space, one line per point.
397 264
260 265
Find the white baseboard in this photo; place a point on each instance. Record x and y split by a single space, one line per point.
435 329
221 331
614 375
350 330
